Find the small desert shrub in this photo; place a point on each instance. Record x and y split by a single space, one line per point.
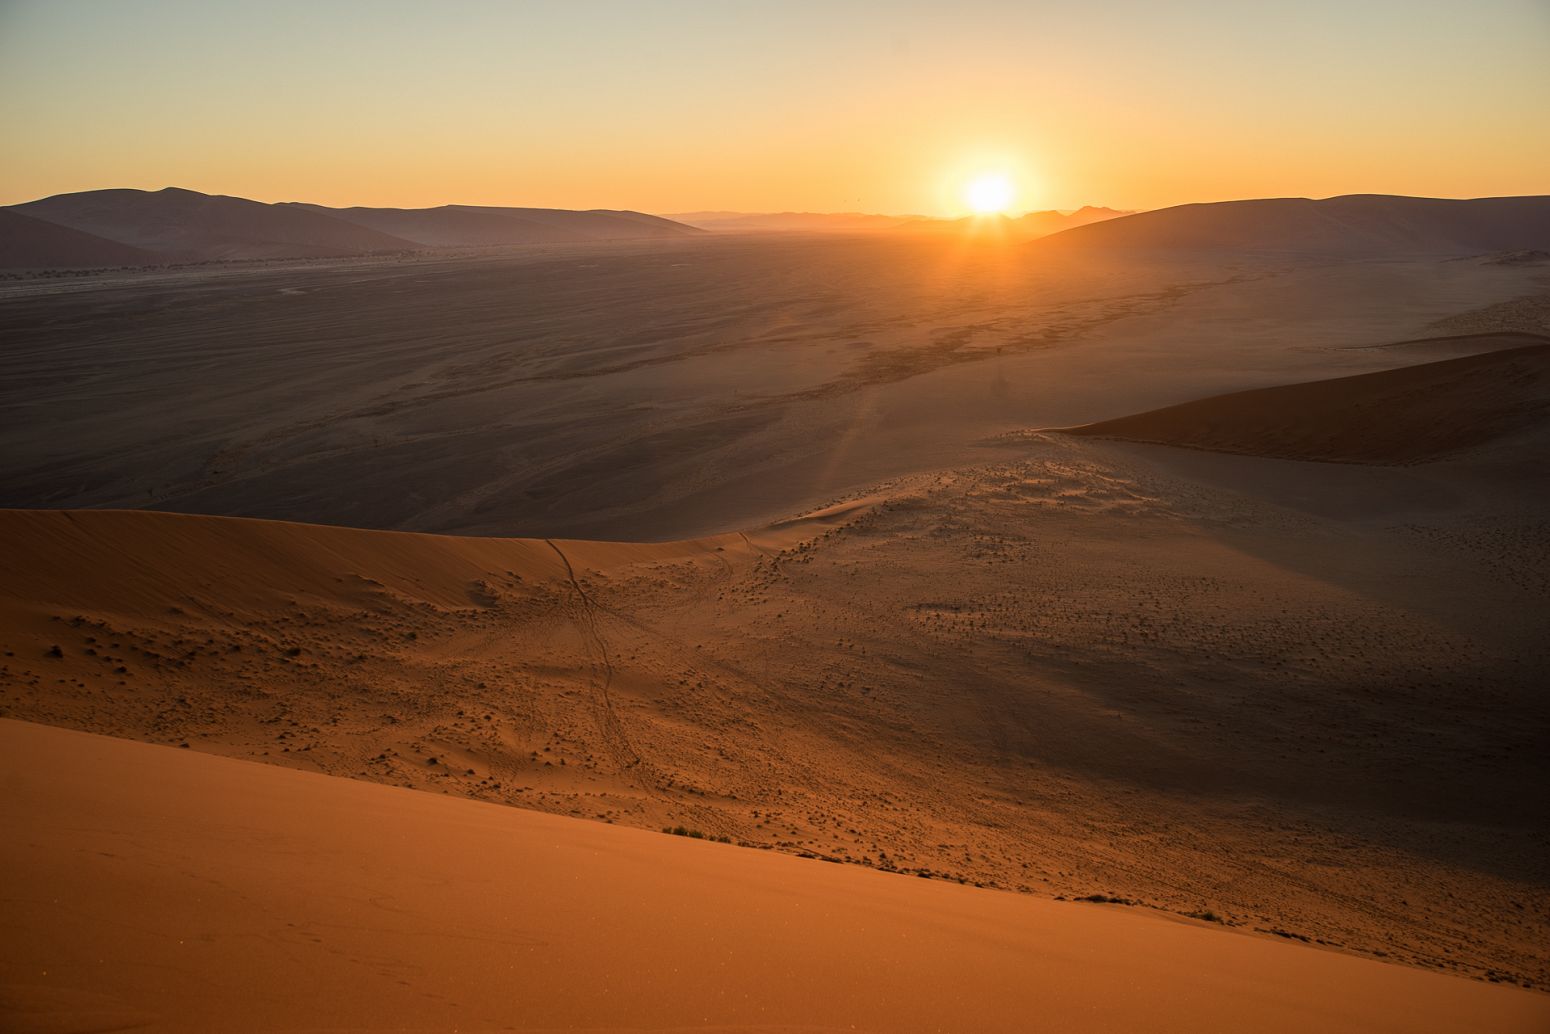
694 834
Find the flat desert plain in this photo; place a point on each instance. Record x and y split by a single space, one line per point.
650 391
1207 592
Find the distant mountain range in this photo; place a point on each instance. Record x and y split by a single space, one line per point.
1031 225
103 228
793 222
139 227
453 226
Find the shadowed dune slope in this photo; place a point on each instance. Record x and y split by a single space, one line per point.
185 225
472 226
141 561
990 676
28 243
278 900
1464 344
1356 225
1410 415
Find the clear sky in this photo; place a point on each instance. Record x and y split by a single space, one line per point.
826 106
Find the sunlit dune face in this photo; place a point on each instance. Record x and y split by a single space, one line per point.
990 194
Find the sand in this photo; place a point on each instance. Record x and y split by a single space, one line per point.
29 243
859 609
644 391
276 900
1409 415
187 226
1075 669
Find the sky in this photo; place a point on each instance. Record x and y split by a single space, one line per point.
870 106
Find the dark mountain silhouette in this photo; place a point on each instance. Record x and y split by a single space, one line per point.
1041 224
1354 225
1029 226
470 225
175 225
187 226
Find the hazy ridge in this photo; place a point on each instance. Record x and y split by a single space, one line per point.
176 225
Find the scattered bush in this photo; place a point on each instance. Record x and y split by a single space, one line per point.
695 834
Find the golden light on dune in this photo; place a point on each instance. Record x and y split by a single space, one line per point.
989 194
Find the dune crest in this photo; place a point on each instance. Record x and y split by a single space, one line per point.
971 676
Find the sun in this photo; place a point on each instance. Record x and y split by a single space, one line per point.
989 194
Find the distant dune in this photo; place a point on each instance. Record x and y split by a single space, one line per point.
28 243
467 225
1042 224
1355 225
186 226
793 222
1409 415
167 889
1030 225
176 225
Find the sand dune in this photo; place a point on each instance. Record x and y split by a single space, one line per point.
792 222
1066 671
1464 344
1410 415
187 226
1301 698
468 225
30 243
177 225
1042 224
1354 225
1026 226
274 900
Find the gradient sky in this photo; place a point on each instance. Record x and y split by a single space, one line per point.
823 106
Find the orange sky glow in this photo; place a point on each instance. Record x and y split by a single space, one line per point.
861 106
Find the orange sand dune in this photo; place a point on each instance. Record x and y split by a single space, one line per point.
154 889
1409 415
990 677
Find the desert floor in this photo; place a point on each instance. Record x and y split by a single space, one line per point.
862 605
650 391
326 904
